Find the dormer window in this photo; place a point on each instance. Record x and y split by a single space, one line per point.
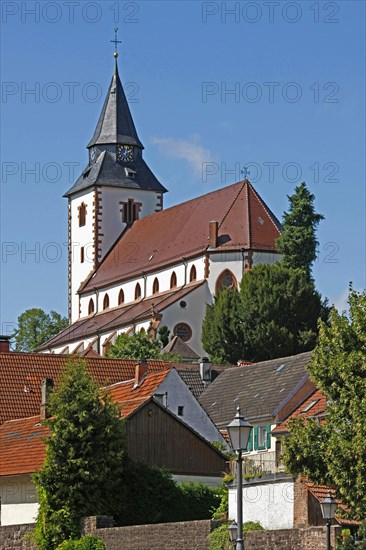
82 214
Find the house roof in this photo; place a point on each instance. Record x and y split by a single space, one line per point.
177 346
131 396
21 375
258 389
244 222
123 315
321 491
313 406
193 380
22 446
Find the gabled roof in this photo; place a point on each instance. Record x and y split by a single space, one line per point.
177 346
130 395
244 222
321 491
115 124
22 446
193 380
258 389
313 406
123 315
21 375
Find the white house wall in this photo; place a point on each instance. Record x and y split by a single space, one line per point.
18 500
270 503
177 394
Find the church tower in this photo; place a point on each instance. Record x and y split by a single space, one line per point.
115 189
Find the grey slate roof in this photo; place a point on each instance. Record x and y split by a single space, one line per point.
115 124
176 345
193 380
258 389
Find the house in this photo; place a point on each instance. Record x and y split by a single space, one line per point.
135 266
266 392
155 436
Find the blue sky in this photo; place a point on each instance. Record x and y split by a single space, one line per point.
278 87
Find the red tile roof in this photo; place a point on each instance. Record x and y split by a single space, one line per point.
321 491
305 409
22 446
130 397
245 221
119 316
22 373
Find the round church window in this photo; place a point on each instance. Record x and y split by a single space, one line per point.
183 331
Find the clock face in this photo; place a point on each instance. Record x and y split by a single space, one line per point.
125 153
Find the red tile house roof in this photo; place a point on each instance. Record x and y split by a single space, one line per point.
122 315
321 491
244 221
22 373
22 446
314 405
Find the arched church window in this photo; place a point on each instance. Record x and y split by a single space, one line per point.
192 274
137 291
173 280
91 306
121 297
155 288
82 214
183 331
226 280
106 301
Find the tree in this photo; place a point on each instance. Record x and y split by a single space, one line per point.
222 333
274 315
298 239
83 469
164 333
35 327
334 452
140 346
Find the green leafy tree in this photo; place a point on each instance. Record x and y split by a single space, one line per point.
140 346
298 239
334 452
164 333
222 331
35 327
83 469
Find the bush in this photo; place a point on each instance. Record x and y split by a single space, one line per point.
219 538
85 543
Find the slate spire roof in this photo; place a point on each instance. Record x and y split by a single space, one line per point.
115 124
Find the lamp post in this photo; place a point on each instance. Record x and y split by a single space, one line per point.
328 507
233 532
239 432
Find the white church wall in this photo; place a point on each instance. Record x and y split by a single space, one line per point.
192 314
269 502
219 262
81 237
177 394
18 500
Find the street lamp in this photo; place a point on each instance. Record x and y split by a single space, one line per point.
328 507
239 432
233 531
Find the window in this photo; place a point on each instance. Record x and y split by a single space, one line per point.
106 301
121 297
180 410
91 306
309 406
82 255
262 437
183 331
130 211
192 274
173 280
82 214
155 288
226 280
137 291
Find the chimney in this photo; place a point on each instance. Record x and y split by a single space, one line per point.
140 371
46 389
5 344
213 231
206 371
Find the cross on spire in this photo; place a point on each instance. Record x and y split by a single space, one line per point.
116 42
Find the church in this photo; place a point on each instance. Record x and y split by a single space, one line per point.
135 266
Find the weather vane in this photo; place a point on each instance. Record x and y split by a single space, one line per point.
116 42
245 172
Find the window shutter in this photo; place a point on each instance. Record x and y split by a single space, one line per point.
255 430
250 442
268 439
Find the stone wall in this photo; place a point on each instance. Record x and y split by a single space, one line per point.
189 535
312 538
11 537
